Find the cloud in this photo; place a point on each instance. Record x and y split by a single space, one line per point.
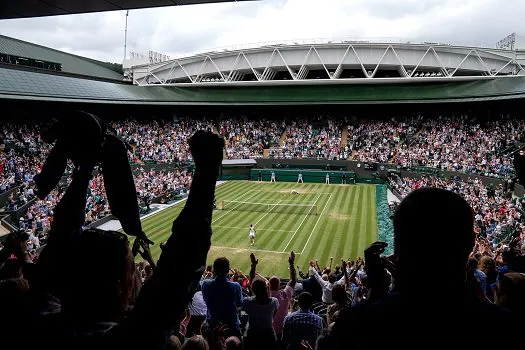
182 30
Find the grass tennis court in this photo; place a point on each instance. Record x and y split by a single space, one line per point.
319 222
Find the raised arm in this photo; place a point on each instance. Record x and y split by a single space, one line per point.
165 295
345 274
293 273
69 216
317 275
253 267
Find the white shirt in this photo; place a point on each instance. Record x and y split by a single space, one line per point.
327 286
198 306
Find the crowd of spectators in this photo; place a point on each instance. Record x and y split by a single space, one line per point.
311 138
158 140
463 144
149 184
21 155
247 138
498 215
85 291
380 140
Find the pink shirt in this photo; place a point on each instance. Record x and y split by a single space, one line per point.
283 296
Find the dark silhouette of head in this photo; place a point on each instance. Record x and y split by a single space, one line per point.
233 343
305 301
196 342
339 294
101 277
260 290
510 292
221 266
428 223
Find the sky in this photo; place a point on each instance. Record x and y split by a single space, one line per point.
184 30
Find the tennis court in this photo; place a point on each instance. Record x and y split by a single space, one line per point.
316 222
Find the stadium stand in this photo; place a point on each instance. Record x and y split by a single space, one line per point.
69 63
457 233
328 295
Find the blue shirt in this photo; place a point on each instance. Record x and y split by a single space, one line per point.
222 299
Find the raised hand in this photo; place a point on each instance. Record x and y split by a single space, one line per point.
206 148
291 258
253 260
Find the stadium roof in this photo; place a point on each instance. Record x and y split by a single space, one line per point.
38 8
29 85
70 63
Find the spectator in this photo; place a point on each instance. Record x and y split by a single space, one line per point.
341 301
261 310
223 298
302 325
510 293
326 285
418 303
283 296
198 311
196 342
98 290
487 265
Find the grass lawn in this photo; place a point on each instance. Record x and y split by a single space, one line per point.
320 222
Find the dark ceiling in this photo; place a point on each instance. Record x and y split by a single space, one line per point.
38 8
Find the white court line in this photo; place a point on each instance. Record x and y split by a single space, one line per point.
252 250
308 240
244 228
223 215
300 224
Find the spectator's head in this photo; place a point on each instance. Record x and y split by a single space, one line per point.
275 283
305 301
11 269
332 277
487 265
510 292
472 264
260 290
196 342
507 256
221 267
425 220
233 343
339 294
104 257
173 343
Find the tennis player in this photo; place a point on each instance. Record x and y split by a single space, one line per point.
251 234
